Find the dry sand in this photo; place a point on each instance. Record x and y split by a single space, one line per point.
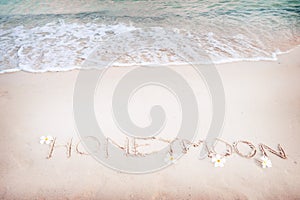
262 105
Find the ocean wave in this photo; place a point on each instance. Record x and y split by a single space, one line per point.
62 46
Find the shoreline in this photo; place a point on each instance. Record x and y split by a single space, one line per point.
275 58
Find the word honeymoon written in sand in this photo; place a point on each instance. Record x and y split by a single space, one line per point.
131 148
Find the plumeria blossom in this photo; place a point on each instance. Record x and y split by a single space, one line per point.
218 160
46 139
265 162
170 158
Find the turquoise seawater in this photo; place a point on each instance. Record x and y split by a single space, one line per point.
54 35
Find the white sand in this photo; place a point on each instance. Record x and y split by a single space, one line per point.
262 105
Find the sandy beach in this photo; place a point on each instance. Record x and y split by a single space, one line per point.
262 106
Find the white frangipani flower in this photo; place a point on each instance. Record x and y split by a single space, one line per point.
265 162
170 158
46 139
218 160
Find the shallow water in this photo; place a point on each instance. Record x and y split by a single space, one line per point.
41 35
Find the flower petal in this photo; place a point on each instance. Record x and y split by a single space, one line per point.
223 160
48 141
214 159
42 141
264 158
50 137
42 138
217 164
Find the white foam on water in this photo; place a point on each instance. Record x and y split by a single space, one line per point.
62 46
52 47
